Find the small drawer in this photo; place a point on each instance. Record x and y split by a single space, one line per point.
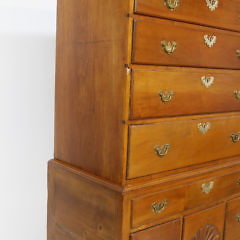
207 224
205 12
165 42
210 190
168 231
152 207
163 91
181 142
232 225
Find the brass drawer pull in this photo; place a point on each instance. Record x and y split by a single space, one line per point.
159 207
238 53
212 4
204 127
162 151
237 94
235 137
238 217
171 4
169 47
210 40
207 187
166 97
207 81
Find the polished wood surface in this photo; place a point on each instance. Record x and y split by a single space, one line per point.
80 208
232 225
90 85
199 224
167 231
142 212
226 15
185 141
190 95
191 51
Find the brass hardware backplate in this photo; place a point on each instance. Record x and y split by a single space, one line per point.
212 4
163 150
235 137
204 127
210 40
171 4
166 97
207 187
238 53
207 81
169 47
159 207
237 94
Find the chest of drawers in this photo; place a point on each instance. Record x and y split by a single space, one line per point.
147 121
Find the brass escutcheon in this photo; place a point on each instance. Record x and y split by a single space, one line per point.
207 81
235 137
237 94
210 40
162 151
171 4
207 187
169 47
212 4
159 207
166 97
204 127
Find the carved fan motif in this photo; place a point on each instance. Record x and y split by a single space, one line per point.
208 232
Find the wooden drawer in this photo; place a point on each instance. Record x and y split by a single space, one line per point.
168 231
146 209
205 225
185 197
180 142
151 92
232 225
226 15
191 49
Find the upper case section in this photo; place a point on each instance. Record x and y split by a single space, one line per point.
216 13
164 42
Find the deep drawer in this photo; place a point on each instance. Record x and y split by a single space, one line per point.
172 91
152 207
181 142
165 42
203 12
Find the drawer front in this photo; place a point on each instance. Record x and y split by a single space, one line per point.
146 209
152 207
232 226
210 190
168 231
164 42
177 143
205 225
176 91
202 12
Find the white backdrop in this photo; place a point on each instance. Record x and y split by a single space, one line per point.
27 62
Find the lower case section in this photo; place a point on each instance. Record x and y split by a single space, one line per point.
83 207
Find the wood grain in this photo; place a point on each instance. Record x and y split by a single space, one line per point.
191 49
188 146
81 209
190 95
232 226
92 49
225 16
167 231
195 222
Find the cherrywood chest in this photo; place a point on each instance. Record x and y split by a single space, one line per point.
147 121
